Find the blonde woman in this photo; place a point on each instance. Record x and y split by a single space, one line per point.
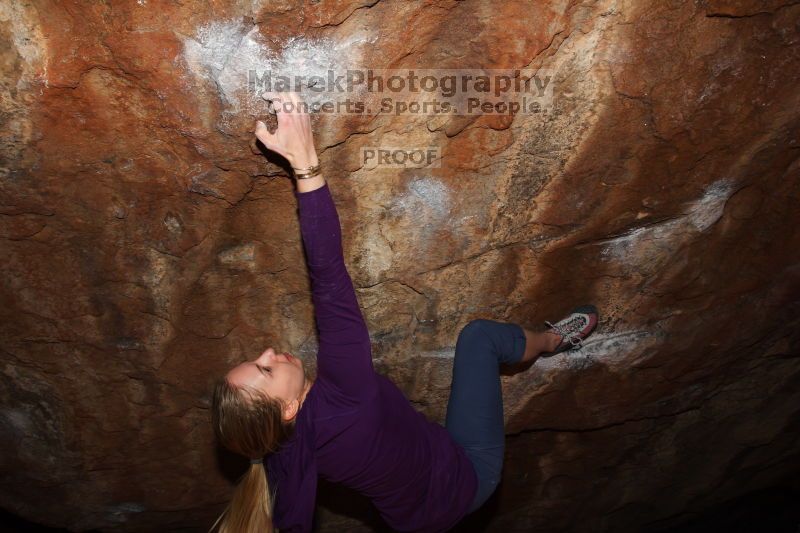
352 425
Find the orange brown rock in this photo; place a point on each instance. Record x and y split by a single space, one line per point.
147 247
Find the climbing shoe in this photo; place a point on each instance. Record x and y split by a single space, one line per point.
573 329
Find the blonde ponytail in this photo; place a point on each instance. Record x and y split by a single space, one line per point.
250 509
248 423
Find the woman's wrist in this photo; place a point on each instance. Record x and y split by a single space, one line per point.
307 172
307 161
310 184
305 165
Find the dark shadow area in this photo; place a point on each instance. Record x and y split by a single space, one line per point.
347 502
772 510
480 519
231 465
272 157
10 523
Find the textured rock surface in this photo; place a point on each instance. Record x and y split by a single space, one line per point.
146 247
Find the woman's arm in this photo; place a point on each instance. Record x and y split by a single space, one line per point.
293 139
344 358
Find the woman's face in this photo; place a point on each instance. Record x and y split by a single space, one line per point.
279 376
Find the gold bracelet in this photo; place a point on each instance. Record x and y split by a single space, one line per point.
306 173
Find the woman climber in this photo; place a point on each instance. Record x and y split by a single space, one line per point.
352 425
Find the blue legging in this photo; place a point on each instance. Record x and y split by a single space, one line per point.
475 407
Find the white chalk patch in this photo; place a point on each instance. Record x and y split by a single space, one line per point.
612 345
427 203
232 53
19 421
120 513
447 353
224 52
173 224
625 246
426 192
645 241
425 199
29 45
27 38
705 212
608 349
376 252
241 257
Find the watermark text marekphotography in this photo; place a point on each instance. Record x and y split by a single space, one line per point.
411 91
401 157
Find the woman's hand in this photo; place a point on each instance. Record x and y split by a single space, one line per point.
293 139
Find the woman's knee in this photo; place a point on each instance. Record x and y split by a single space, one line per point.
475 329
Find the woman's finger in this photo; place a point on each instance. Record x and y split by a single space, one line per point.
271 98
268 139
284 102
300 104
295 102
269 95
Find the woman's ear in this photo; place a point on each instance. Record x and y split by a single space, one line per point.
290 411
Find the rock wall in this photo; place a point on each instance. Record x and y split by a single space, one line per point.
148 246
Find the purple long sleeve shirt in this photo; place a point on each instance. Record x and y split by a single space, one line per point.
355 426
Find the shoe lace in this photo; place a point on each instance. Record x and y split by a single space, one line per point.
567 329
